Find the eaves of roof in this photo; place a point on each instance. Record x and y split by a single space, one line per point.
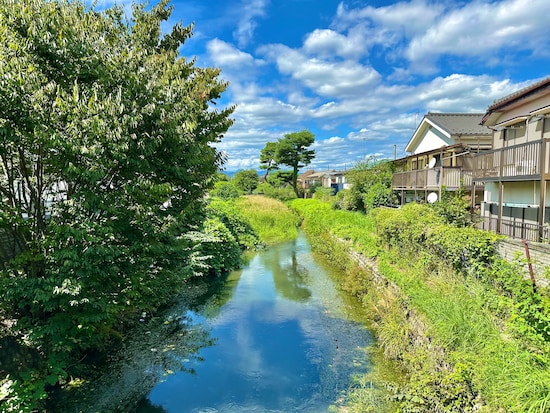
517 96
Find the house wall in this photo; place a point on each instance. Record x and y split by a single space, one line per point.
531 129
520 201
524 193
432 139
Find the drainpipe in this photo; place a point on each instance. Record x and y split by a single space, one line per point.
500 192
440 171
474 170
542 200
500 206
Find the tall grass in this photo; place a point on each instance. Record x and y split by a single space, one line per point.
271 219
453 334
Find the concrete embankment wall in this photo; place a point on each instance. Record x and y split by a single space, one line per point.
514 251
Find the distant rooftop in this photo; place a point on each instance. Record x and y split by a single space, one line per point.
459 123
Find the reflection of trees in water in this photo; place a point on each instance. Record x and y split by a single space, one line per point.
220 291
156 348
145 406
290 278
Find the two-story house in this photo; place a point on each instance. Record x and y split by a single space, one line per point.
516 172
442 148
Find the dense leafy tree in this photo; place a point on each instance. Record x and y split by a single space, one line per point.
371 185
225 190
106 156
247 180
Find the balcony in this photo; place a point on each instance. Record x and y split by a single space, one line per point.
432 178
518 162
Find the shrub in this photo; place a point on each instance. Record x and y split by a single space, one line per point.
324 194
225 190
219 248
284 193
454 208
235 221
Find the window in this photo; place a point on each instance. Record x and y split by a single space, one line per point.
546 126
509 134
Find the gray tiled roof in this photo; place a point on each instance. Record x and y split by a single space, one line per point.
459 123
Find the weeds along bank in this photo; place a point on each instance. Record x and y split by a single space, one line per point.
468 331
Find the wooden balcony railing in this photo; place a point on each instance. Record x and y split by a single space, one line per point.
432 178
522 161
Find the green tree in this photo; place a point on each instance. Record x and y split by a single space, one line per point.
225 190
454 208
106 156
371 185
247 180
291 150
268 158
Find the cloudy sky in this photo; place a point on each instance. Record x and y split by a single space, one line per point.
359 74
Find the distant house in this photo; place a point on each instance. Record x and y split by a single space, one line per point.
442 149
326 179
516 171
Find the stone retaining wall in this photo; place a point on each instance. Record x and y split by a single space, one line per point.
513 250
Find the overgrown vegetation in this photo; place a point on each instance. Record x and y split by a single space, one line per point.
276 191
106 137
370 186
465 326
272 220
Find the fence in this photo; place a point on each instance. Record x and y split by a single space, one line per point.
516 228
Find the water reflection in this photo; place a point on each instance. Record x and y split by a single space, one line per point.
274 337
289 276
284 342
160 347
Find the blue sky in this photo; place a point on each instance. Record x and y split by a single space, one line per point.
359 74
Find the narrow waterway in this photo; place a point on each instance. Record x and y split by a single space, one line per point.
276 336
283 339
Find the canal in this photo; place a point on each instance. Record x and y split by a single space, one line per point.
275 336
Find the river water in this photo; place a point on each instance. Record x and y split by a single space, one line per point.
276 336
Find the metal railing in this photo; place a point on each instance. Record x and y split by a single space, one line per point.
515 228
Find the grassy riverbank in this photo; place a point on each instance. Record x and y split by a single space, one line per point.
271 220
467 330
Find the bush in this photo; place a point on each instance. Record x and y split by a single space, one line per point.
454 208
225 190
324 194
347 200
371 184
220 250
285 193
230 214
